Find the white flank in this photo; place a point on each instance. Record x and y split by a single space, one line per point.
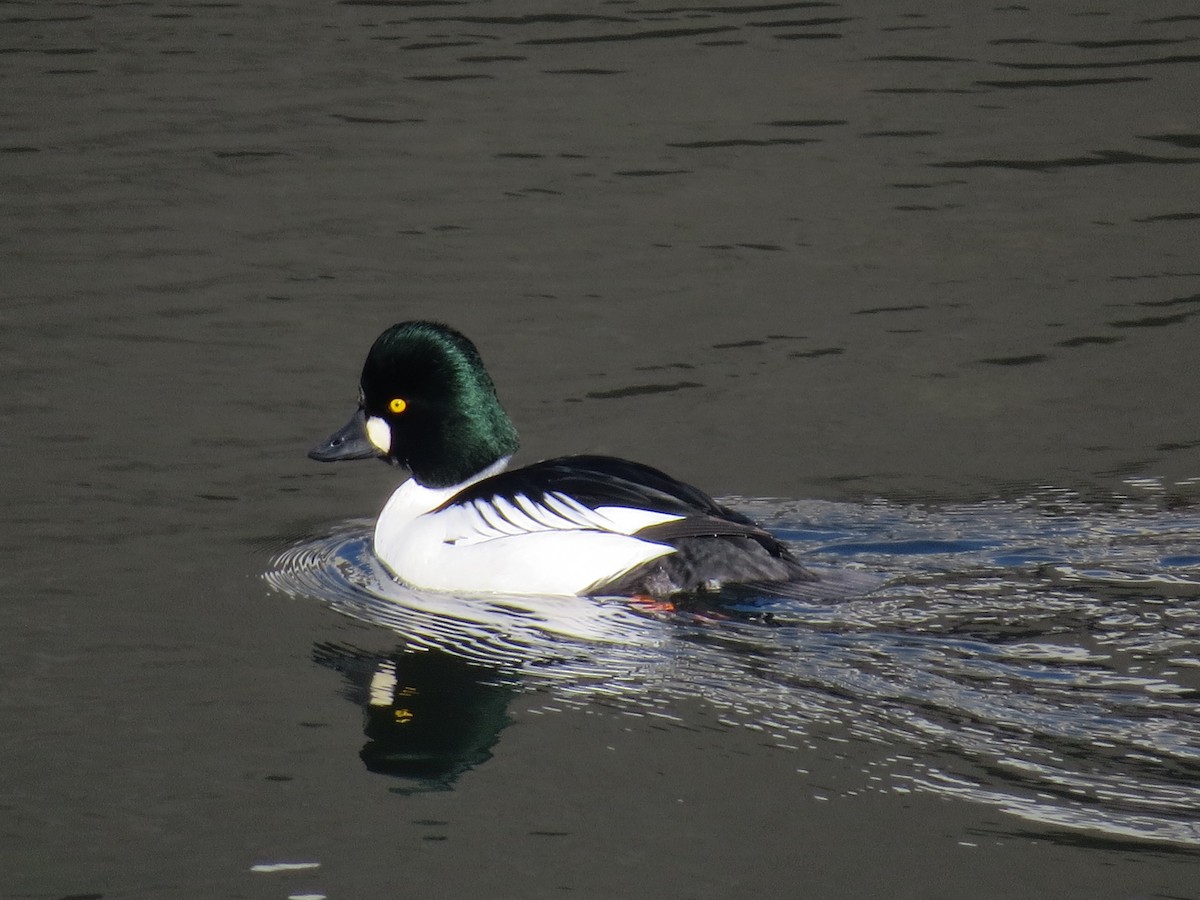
558 546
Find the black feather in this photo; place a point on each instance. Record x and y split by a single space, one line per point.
597 481
713 544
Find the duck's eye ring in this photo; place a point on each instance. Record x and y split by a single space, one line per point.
398 405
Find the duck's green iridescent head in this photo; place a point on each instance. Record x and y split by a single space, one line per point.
426 402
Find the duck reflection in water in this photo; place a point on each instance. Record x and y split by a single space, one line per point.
428 716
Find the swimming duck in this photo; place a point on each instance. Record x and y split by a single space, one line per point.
575 525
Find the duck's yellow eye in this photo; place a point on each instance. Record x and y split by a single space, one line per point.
398 405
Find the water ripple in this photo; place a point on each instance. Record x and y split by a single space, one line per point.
1040 656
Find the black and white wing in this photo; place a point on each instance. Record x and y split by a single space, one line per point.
601 493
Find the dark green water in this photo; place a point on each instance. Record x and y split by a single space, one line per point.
928 274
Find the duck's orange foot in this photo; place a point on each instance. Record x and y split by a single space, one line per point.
653 606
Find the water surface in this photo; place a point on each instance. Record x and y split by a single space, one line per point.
1051 650
926 272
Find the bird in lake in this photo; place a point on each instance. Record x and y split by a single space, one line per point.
574 525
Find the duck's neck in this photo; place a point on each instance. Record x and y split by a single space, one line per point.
468 446
425 498
494 469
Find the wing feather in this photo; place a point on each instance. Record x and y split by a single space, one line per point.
568 509
542 514
591 482
517 518
599 493
492 517
703 542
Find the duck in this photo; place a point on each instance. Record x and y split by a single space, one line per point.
584 525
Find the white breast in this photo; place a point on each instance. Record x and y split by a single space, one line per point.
557 546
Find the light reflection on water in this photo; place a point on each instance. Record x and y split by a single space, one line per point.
1041 656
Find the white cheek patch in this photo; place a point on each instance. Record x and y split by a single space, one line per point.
379 434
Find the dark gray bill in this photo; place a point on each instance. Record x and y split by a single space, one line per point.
348 442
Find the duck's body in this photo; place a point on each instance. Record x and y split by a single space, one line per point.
575 525
582 525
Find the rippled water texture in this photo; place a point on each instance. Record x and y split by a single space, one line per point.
1052 647
974 222
937 253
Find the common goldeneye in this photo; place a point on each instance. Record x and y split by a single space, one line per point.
575 525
